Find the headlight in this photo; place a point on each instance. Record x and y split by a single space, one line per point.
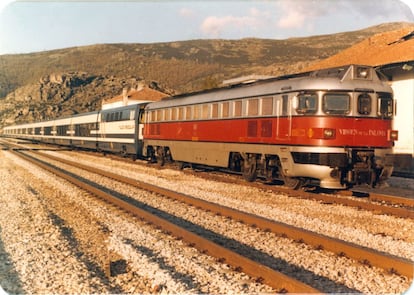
392 135
328 133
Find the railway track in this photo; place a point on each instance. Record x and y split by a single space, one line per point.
378 203
263 273
373 202
404 203
365 255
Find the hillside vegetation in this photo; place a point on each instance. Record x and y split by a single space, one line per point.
27 94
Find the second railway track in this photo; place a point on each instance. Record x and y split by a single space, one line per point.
378 203
363 254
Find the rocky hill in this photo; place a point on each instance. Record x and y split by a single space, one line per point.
58 95
60 82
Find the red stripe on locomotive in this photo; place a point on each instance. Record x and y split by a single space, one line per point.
310 131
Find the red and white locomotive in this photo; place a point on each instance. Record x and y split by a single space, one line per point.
331 127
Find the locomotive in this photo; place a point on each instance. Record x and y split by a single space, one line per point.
331 128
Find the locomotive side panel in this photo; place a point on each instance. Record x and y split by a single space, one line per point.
334 127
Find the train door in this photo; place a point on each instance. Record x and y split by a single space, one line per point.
140 112
104 118
283 118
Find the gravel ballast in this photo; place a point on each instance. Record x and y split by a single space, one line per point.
347 223
165 264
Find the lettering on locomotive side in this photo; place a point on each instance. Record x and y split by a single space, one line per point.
369 132
373 132
126 126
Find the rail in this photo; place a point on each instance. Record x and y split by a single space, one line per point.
337 199
366 255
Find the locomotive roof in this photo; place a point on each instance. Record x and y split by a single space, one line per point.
340 78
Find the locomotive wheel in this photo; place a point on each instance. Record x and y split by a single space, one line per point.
290 182
250 169
293 183
160 156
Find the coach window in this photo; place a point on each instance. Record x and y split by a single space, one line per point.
253 107
168 114
225 107
267 106
364 104
124 115
188 113
385 105
197 112
181 113
47 130
237 107
205 111
61 130
336 103
160 115
174 114
153 116
307 103
214 110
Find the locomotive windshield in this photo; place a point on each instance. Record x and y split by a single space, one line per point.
364 104
385 105
336 103
307 103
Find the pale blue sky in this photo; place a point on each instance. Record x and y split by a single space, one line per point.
31 26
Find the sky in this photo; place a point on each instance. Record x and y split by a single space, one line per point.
33 26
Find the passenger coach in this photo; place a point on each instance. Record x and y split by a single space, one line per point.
116 130
330 127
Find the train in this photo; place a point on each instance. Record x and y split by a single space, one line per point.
331 128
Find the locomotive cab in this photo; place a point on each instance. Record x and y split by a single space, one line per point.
355 122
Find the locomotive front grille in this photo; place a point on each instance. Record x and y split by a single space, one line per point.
362 158
324 159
